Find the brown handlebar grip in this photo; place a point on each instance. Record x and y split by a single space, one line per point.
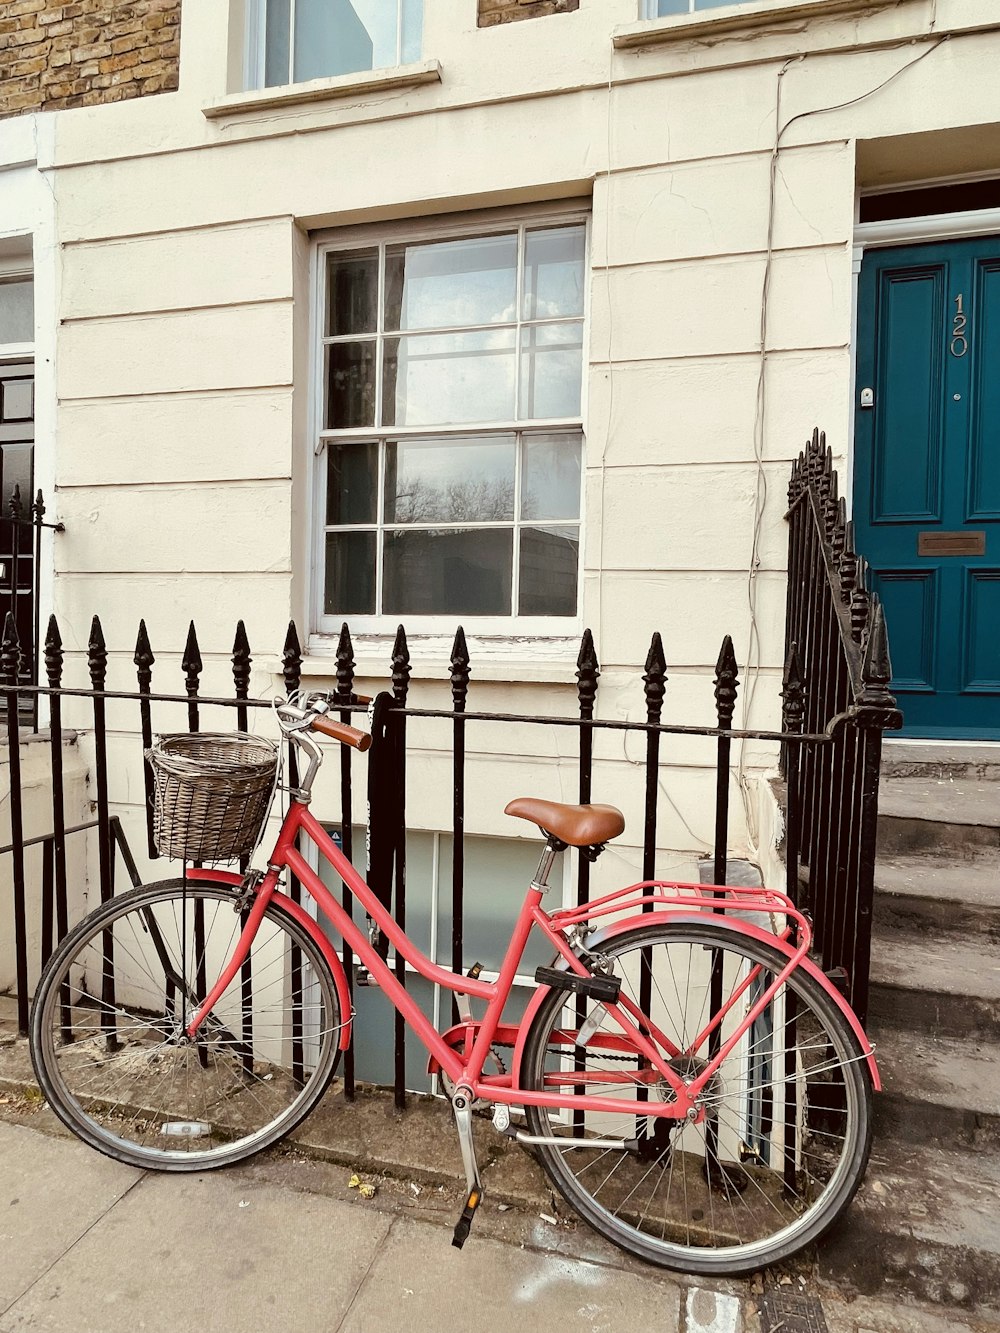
340 731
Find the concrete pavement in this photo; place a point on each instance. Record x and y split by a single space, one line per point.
282 1243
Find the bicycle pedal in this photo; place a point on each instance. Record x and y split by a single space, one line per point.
362 977
464 1224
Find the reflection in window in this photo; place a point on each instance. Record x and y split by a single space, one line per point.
452 398
315 39
17 311
667 8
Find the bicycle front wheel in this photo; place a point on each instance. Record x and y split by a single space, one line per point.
783 1137
111 1008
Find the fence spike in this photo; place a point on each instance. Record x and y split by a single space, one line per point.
839 537
241 661
588 673
793 692
460 671
191 663
400 667
10 651
38 508
860 600
655 678
15 502
97 655
291 660
53 654
143 658
876 667
345 666
726 683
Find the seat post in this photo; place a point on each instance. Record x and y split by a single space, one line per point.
549 852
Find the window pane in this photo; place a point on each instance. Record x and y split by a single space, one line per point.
331 36
457 572
451 283
351 483
468 480
553 273
551 371
497 874
549 559
276 33
448 378
550 476
413 22
667 7
350 397
350 574
17 311
352 293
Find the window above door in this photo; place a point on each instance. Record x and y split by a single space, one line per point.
295 41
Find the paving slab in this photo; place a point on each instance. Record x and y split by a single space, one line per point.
427 1284
182 1254
51 1193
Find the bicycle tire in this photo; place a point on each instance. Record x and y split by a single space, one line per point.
111 1060
738 1203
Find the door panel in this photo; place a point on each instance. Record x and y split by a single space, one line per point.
927 476
908 454
912 595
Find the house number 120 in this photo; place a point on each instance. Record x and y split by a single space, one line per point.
959 342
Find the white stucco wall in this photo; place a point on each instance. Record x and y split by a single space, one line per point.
183 457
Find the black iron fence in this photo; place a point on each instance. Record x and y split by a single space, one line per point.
835 703
21 532
837 678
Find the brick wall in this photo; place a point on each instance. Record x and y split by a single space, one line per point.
509 11
83 53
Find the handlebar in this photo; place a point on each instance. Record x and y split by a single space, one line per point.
295 718
340 731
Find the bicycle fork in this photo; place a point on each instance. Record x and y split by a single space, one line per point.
461 1105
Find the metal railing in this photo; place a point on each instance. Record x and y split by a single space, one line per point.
837 675
835 703
20 580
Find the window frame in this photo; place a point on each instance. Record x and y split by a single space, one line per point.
255 48
344 240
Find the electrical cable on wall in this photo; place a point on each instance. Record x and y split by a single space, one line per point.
753 663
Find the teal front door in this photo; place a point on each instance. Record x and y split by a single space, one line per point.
927 476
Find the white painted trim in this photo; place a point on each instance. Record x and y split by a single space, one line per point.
736 17
938 227
324 90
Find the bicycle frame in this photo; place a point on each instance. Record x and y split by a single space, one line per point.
465 1068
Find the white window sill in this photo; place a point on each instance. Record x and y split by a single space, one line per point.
323 90
549 660
735 18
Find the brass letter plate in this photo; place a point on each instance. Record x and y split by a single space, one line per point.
951 543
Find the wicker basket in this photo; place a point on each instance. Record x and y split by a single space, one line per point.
213 791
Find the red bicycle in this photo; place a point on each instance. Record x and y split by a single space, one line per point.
691 1082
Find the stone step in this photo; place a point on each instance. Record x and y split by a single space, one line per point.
969 761
940 894
942 1091
939 816
923 1224
945 985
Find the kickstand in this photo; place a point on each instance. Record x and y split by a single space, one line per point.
461 1105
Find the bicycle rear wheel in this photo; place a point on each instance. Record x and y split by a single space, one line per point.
784 1140
107 1030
